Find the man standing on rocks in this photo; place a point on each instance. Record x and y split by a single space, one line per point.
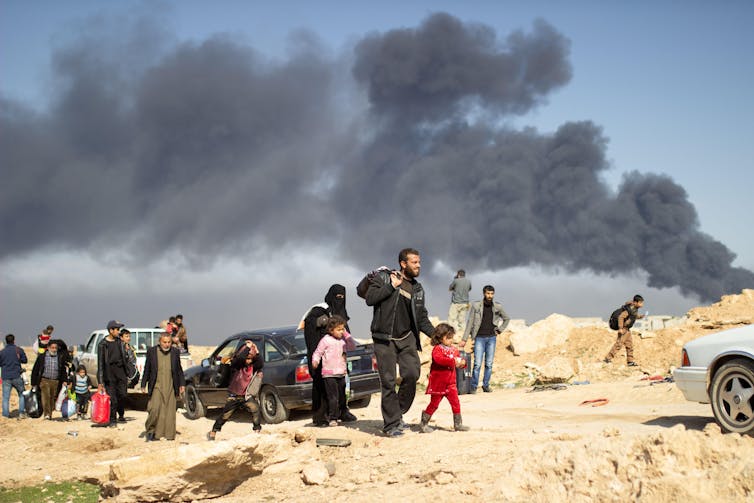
111 370
486 320
459 301
181 334
629 313
399 314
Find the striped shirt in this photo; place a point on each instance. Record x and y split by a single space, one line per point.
82 385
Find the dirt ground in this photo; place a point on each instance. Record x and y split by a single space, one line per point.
646 443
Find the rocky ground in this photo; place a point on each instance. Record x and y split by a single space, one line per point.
646 443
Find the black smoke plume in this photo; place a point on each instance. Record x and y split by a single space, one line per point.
212 150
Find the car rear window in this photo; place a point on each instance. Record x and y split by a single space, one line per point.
141 340
293 343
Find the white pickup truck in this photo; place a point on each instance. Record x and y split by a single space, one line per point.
141 339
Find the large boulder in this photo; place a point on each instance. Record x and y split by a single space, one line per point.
557 370
552 331
192 472
315 473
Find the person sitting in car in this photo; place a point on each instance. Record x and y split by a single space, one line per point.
243 391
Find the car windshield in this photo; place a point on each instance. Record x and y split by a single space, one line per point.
293 343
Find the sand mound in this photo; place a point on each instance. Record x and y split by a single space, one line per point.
673 465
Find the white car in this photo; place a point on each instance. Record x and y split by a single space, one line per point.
719 369
141 339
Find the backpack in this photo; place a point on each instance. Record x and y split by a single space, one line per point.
363 286
614 317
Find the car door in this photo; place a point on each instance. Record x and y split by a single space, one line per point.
212 395
89 357
277 370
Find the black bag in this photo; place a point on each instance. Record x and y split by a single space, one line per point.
614 318
463 375
32 403
133 380
363 286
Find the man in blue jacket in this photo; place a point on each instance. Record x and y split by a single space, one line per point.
11 358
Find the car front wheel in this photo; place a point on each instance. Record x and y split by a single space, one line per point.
732 395
192 402
273 410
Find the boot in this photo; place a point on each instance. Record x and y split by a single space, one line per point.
458 423
424 426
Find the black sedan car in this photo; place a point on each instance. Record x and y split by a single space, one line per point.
286 384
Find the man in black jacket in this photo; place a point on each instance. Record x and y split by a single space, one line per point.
399 314
48 373
164 375
111 370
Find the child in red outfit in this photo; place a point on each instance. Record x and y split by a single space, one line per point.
442 377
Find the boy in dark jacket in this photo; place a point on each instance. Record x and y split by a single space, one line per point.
244 387
111 371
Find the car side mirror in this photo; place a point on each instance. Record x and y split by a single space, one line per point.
205 363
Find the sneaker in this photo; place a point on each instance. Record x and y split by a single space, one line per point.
472 391
486 389
149 437
210 436
121 419
348 417
333 423
112 424
257 428
394 432
632 364
403 426
23 415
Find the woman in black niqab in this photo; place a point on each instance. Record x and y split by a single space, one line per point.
336 302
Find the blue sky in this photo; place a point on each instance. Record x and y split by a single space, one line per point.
669 82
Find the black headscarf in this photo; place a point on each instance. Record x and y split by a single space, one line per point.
336 305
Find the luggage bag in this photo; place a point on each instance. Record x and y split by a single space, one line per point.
463 375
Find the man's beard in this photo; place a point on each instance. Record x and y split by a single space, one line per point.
409 273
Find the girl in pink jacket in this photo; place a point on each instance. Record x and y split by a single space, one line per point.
331 353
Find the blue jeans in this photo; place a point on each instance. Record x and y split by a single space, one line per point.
18 385
484 349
